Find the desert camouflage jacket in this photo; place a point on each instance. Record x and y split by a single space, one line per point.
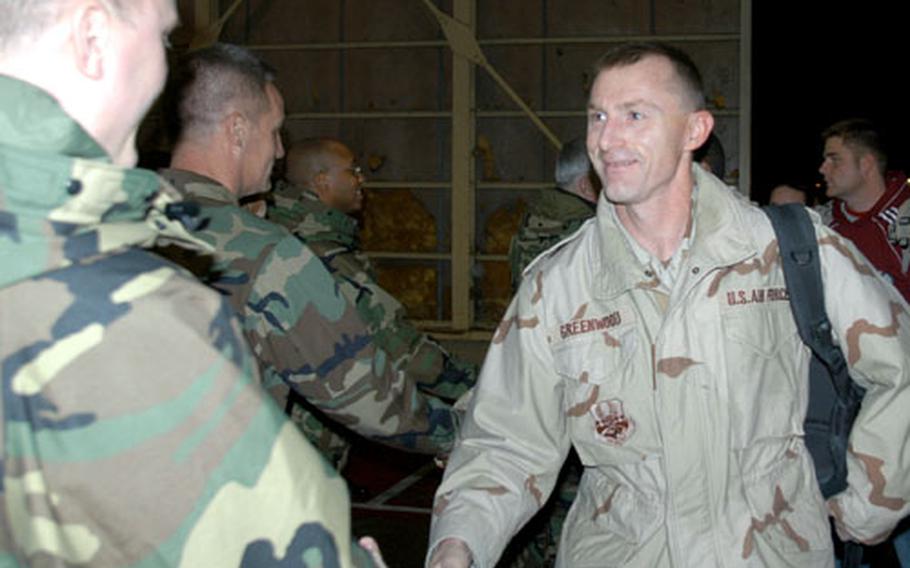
685 402
333 236
134 431
552 216
305 328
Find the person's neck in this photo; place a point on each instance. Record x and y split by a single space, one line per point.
206 161
661 224
865 198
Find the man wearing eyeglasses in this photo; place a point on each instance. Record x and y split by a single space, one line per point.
323 170
324 189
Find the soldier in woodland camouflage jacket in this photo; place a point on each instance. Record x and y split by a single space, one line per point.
134 432
556 213
303 327
324 189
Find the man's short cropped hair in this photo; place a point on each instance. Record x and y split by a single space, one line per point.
862 136
631 53
210 82
23 21
572 163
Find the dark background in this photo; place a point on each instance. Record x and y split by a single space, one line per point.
814 63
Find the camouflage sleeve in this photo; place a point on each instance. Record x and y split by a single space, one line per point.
536 234
874 335
422 360
135 433
514 438
306 329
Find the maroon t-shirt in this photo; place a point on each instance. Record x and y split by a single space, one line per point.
869 230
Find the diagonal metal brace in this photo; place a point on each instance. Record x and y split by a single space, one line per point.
464 44
210 34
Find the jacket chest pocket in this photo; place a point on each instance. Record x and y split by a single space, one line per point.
601 395
764 365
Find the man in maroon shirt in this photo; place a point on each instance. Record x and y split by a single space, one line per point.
869 205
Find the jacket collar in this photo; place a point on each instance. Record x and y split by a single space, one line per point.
305 215
202 189
721 238
32 120
61 199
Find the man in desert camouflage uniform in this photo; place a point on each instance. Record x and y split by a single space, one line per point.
304 328
658 342
134 428
324 189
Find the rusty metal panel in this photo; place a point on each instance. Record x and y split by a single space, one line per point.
387 20
521 66
719 66
398 79
569 74
696 16
509 18
309 80
409 149
509 149
284 21
598 18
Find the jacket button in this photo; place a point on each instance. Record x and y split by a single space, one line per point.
649 273
696 270
74 187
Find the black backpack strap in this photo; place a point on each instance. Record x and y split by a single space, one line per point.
802 272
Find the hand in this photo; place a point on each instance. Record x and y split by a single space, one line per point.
369 544
451 553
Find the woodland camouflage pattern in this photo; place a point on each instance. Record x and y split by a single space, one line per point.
333 236
552 216
134 432
307 333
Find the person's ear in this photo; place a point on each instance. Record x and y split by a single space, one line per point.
91 36
698 128
320 185
868 165
237 130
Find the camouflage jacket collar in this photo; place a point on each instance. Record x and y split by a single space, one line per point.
32 120
718 240
313 221
202 189
61 200
561 205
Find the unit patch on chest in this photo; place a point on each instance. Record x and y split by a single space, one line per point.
611 423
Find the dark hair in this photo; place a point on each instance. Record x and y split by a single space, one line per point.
631 53
712 152
205 83
572 163
860 134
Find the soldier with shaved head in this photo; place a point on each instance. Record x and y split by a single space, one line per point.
135 432
320 358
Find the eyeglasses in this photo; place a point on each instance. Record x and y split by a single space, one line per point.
356 171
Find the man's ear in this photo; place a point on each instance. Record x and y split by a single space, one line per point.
698 127
320 185
868 165
237 130
91 37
